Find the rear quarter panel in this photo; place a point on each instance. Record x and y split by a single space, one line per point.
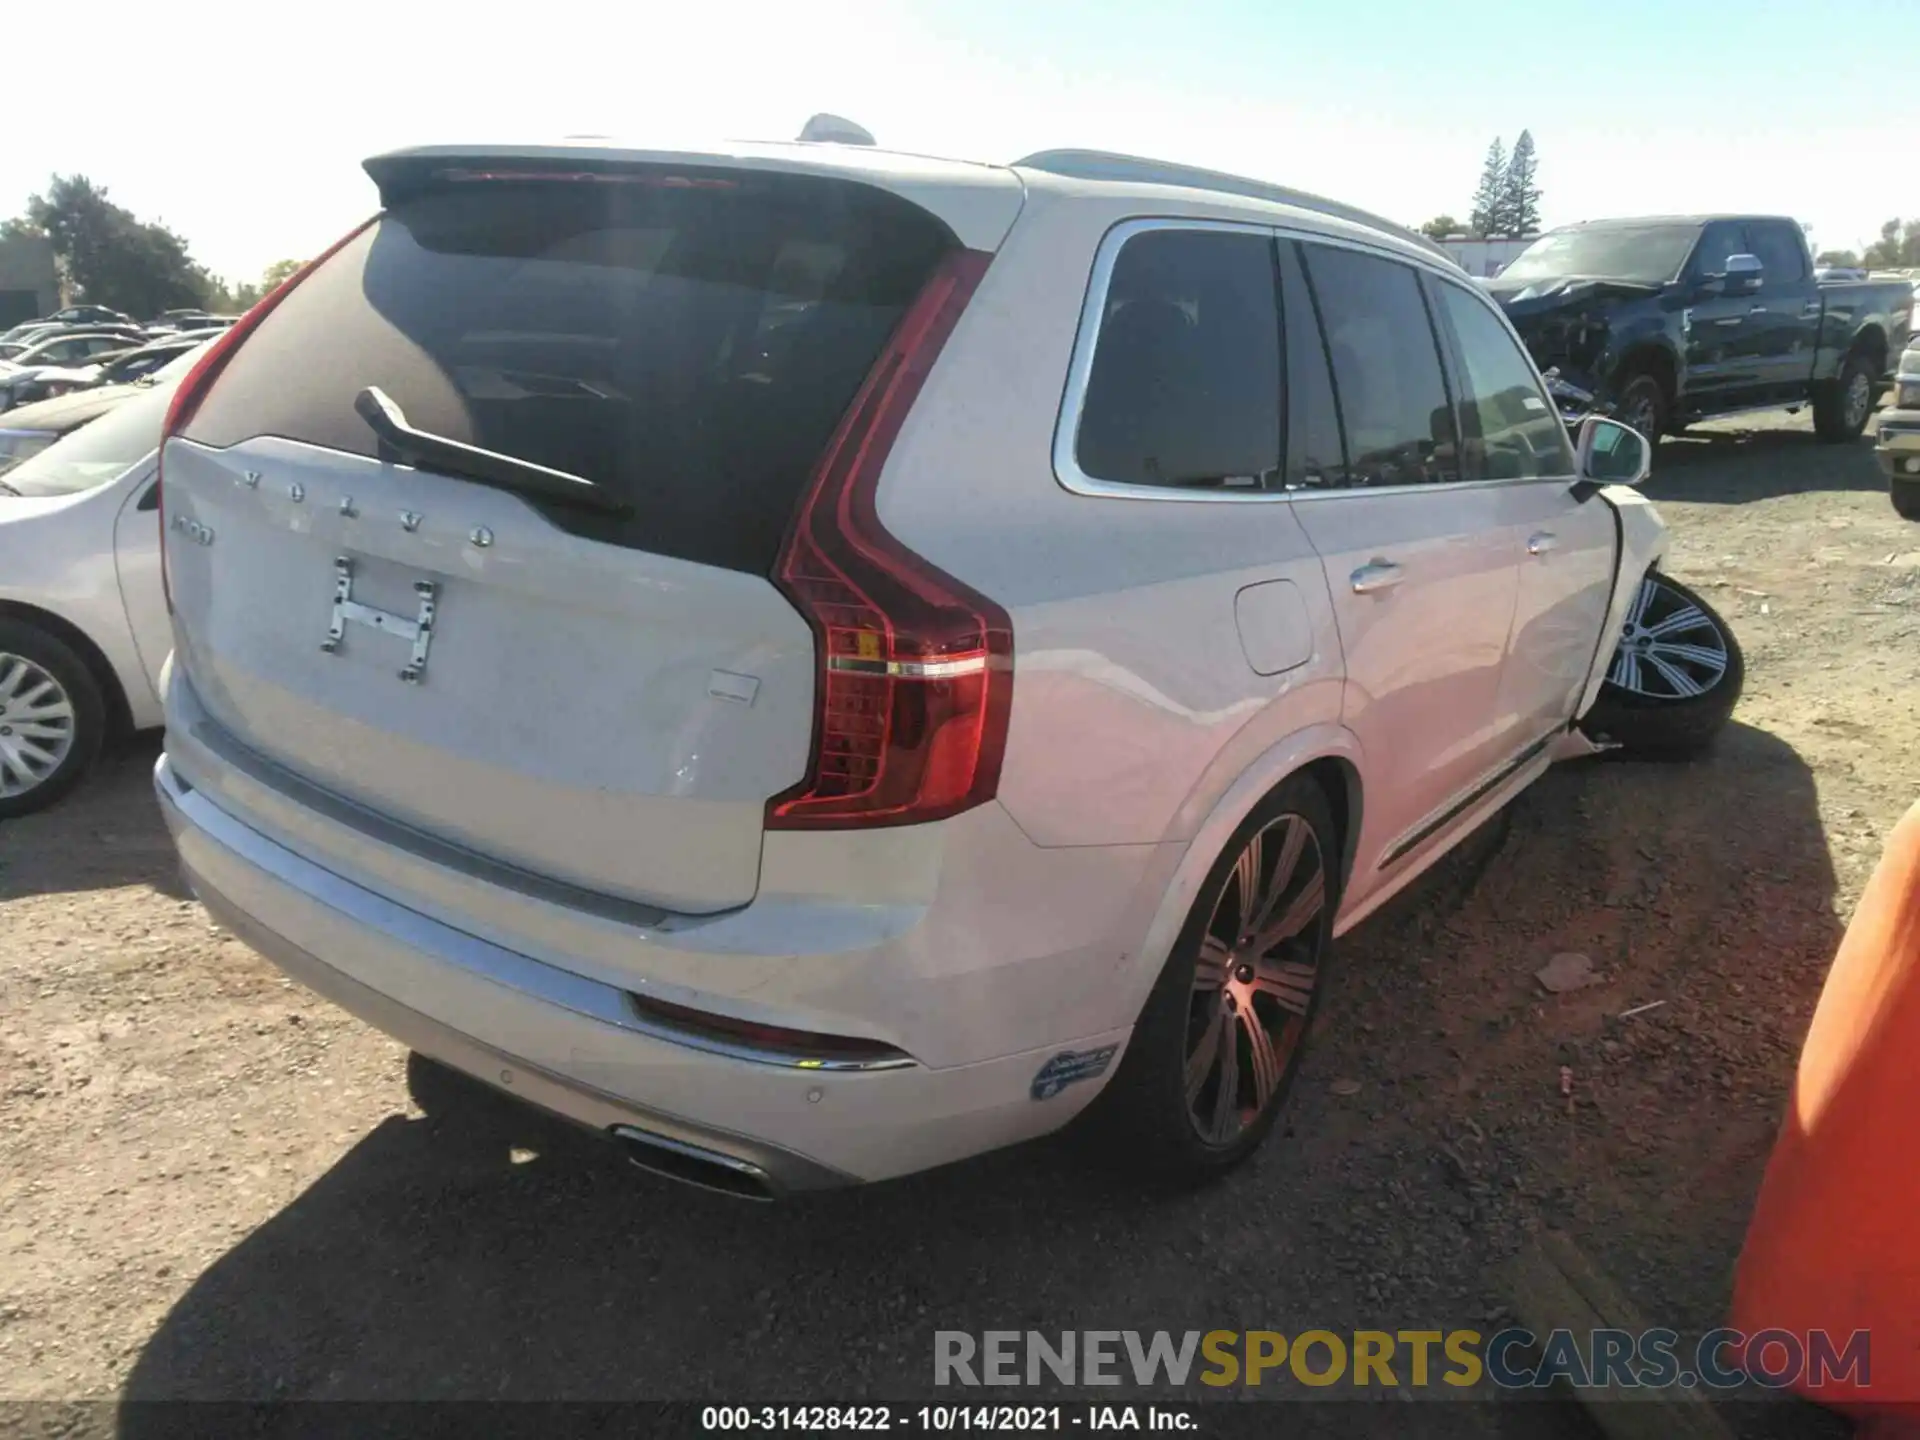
1134 703
1879 311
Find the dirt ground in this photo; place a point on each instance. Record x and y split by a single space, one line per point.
212 1184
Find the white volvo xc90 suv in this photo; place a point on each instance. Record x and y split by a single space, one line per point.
819 662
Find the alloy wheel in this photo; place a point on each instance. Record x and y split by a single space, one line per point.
1255 979
1639 413
1670 649
37 725
1859 399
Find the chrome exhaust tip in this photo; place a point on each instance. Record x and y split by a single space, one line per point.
694 1165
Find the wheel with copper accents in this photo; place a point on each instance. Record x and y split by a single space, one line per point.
1213 1056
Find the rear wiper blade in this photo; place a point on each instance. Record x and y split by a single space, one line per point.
470 462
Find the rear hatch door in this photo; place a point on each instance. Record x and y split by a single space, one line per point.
608 699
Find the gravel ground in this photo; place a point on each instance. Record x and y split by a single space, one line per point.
213 1185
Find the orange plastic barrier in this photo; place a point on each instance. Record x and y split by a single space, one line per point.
1834 1243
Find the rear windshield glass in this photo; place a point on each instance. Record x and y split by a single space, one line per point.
687 342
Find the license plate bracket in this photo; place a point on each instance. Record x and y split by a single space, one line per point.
418 631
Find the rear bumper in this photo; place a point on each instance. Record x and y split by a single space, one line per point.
575 1046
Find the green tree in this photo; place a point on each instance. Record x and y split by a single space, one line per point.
277 273
108 256
1440 227
1845 258
1485 214
1519 207
1897 248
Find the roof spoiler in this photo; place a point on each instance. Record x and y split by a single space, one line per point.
1133 169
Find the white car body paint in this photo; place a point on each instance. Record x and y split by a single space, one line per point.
1643 545
93 560
505 907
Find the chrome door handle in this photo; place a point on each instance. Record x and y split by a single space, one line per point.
1732 320
1372 578
1541 543
1758 310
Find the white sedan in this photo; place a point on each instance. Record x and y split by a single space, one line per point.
83 619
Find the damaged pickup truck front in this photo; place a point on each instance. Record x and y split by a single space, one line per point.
1671 320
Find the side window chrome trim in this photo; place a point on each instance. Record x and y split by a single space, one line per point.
1066 430
1437 487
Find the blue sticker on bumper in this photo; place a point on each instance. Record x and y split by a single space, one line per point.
1068 1066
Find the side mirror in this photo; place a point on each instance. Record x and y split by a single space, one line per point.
1744 273
1740 275
1610 453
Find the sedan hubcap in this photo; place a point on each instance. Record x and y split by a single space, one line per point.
1254 982
1670 649
36 725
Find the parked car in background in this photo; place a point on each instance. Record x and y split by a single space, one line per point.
910 649
168 319
90 315
29 429
182 320
83 617
26 329
64 347
1898 437
1671 320
114 368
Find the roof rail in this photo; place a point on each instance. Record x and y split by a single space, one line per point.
1133 169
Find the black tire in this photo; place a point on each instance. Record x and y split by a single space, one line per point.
1838 414
1906 498
1668 727
27 650
1144 1121
1644 404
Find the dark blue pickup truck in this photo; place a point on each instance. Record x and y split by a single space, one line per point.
1676 319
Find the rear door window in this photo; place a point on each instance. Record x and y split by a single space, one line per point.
1781 251
1185 385
1386 369
686 341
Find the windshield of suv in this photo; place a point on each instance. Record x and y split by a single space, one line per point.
1648 254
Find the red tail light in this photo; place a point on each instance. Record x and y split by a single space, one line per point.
916 669
196 382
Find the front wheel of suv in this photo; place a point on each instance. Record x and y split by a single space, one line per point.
1214 1053
1906 499
1674 678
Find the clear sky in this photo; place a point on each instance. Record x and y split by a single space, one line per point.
249 139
